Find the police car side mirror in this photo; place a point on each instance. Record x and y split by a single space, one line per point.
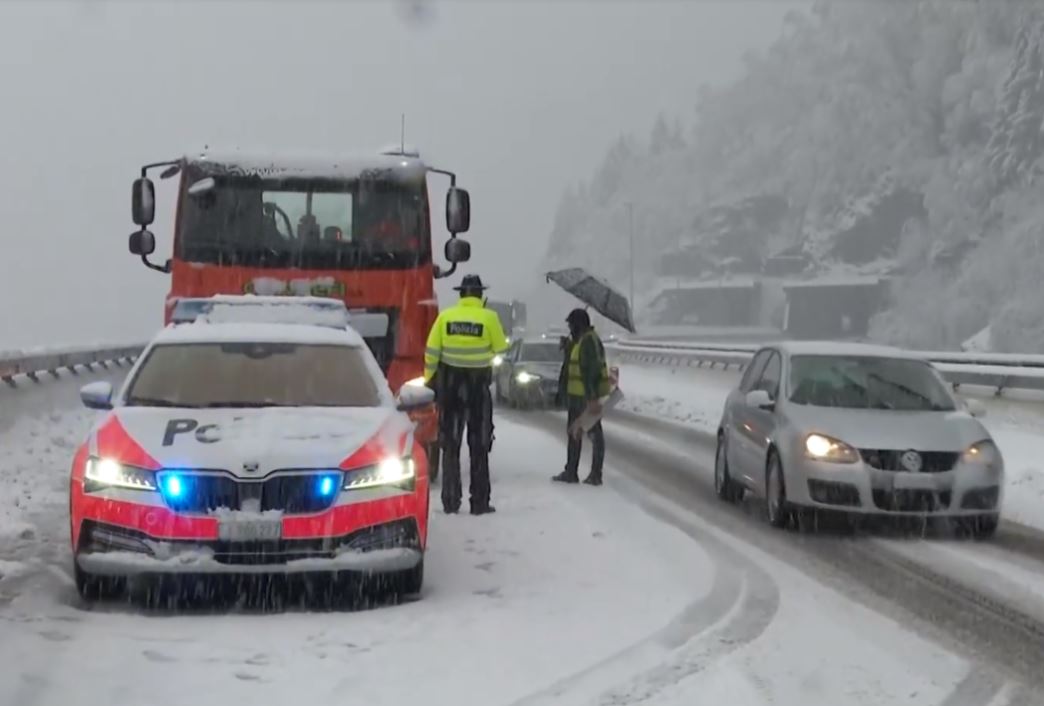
97 395
413 397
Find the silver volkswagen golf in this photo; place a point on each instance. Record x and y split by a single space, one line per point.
857 429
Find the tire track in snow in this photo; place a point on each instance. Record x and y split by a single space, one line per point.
742 603
861 572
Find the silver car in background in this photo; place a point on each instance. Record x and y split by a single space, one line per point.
856 429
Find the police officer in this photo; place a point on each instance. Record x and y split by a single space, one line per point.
585 377
461 347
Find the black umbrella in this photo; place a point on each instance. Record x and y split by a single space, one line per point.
595 293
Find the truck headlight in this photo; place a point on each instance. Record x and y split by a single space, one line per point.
390 471
109 473
825 448
983 453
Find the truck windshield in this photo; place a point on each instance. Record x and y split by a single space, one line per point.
304 222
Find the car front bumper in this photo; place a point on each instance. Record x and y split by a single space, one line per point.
110 550
965 491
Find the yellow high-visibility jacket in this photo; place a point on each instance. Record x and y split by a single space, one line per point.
467 335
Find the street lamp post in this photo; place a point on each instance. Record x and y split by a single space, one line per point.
630 219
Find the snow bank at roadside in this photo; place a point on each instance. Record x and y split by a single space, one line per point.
695 396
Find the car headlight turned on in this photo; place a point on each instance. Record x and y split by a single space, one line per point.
390 471
497 360
984 453
525 378
109 473
825 448
415 382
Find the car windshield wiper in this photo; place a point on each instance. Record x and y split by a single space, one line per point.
243 404
150 402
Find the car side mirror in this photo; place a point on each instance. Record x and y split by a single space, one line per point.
457 250
141 242
975 408
413 397
97 395
458 210
143 202
760 399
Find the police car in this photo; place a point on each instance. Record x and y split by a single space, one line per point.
252 436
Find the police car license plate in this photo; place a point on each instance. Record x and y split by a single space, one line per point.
250 530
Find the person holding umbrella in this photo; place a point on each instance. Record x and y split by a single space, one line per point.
458 364
585 377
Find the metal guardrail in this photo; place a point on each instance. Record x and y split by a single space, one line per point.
998 371
32 364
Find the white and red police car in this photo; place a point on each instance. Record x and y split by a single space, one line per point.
257 437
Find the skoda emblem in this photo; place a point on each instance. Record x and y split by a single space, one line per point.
911 461
250 467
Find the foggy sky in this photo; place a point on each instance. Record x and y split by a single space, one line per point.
519 98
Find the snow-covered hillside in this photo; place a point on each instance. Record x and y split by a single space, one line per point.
899 138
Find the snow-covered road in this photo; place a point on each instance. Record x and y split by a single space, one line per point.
642 591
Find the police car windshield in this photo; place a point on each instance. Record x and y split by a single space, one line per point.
253 375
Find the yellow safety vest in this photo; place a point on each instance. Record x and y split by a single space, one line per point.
466 335
575 381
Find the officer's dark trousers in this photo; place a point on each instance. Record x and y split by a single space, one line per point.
577 405
464 399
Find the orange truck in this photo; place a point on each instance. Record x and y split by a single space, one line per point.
356 229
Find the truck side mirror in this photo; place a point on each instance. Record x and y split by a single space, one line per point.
458 250
143 202
142 242
458 210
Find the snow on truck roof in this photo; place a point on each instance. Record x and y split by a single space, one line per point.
401 167
279 310
303 334
841 348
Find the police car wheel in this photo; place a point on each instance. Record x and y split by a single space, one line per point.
412 580
98 588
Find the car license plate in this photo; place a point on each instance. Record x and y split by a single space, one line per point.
250 530
913 481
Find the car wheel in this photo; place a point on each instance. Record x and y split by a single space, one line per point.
498 391
776 508
726 488
412 580
98 588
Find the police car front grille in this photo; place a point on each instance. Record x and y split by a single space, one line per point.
294 494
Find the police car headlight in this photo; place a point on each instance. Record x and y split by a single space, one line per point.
390 471
416 382
525 378
109 473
